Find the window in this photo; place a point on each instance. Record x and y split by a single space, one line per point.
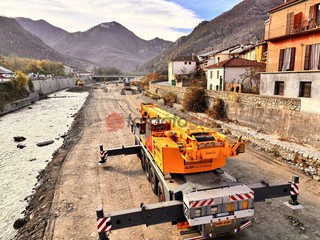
317 14
305 89
197 212
290 21
312 57
286 59
210 86
211 74
314 16
214 210
189 63
218 74
279 88
185 63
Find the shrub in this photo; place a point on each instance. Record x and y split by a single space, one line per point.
194 99
218 109
234 97
19 80
169 99
152 95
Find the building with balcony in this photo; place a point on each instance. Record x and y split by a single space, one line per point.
293 59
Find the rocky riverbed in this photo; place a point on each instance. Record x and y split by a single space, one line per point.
23 160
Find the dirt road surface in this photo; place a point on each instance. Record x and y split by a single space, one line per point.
83 186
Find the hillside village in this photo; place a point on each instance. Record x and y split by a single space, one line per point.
287 61
268 90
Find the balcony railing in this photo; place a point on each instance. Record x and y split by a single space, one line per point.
284 31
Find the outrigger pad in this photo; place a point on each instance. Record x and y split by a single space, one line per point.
293 207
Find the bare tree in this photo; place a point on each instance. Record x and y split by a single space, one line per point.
250 80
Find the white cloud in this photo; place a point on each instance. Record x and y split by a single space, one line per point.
146 18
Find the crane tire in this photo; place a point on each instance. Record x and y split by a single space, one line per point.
154 182
161 196
147 169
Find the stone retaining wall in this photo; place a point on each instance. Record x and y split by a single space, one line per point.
271 115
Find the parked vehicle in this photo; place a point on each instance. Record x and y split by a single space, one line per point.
182 162
127 84
79 82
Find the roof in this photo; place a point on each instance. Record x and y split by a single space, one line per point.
4 70
209 53
186 59
242 48
237 62
285 5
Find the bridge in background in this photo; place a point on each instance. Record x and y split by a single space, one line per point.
111 78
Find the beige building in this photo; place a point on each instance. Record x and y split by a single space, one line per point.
181 66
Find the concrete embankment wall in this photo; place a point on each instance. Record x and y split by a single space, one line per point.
51 85
42 87
33 97
272 115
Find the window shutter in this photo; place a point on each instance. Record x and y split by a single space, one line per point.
288 24
311 16
307 58
297 21
292 59
281 55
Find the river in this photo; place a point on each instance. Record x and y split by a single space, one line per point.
47 119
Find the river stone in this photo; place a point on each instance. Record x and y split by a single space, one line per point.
44 143
19 223
19 138
21 146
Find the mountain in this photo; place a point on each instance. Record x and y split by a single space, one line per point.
244 23
16 41
42 29
107 44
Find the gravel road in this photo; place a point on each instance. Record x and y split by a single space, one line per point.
74 185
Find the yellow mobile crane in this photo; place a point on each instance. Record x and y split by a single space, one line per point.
183 163
179 146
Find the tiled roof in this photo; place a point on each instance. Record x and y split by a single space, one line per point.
186 59
237 62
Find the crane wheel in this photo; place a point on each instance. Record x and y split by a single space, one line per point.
143 161
147 169
154 181
161 196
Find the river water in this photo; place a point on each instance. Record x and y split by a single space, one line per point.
44 120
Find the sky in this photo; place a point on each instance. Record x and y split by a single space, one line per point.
166 19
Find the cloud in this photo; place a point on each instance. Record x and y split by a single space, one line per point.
146 18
